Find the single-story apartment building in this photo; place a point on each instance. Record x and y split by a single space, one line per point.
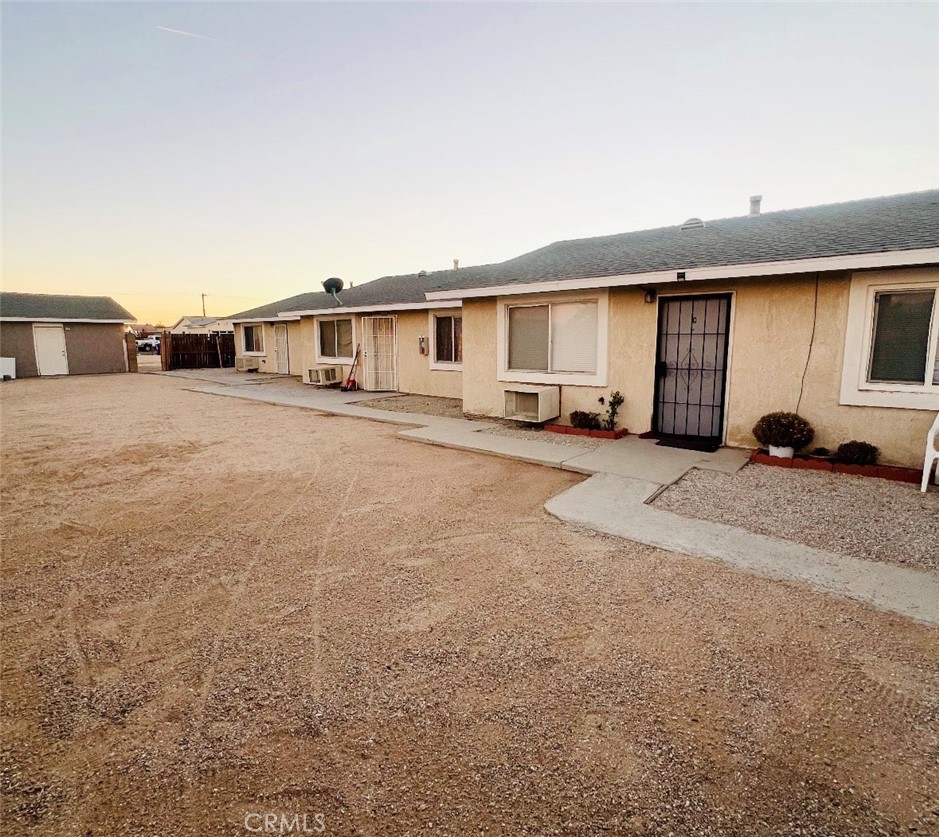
831 311
60 334
405 343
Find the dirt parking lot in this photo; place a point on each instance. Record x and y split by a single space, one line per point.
214 609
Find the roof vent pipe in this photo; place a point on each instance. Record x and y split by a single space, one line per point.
755 204
333 286
456 264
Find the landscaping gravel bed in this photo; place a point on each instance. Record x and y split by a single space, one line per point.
427 405
539 435
859 516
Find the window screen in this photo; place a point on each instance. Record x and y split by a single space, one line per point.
343 338
254 339
901 336
448 339
335 338
528 338
574 337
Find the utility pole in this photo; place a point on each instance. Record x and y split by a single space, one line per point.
203 305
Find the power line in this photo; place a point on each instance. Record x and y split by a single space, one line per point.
181 293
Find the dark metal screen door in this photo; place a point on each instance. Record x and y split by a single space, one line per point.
691 366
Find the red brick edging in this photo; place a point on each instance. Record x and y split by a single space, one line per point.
884 472
583 431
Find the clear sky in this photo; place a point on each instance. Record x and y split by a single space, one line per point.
294 142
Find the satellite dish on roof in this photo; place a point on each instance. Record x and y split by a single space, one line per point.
333 286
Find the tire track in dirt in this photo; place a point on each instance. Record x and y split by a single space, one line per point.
235 594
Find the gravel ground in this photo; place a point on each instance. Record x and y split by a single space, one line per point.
539 435
215 607
859 516
427 404
453 408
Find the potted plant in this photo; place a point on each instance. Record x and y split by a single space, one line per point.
783 433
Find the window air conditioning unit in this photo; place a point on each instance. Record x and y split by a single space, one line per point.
531 403
246 364
325 376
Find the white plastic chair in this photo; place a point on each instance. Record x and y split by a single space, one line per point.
932 453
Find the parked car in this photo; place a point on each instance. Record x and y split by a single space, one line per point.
148 344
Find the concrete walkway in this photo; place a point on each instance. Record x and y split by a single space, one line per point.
619 506
625 476
630 457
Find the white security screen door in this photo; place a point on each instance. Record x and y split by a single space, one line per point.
380 350
280 349
51 357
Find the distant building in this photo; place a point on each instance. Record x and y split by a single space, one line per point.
55 334
201 325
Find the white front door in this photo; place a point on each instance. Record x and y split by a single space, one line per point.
280 350
51 357
380 350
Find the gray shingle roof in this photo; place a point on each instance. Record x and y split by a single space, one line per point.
388 290
200 320
300 302
898 222
62 307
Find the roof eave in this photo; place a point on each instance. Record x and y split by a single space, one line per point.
65 320
391 306
861 261
274 318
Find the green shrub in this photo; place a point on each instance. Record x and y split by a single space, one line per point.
783 430
857 453
585 420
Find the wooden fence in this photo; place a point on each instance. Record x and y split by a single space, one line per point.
197 351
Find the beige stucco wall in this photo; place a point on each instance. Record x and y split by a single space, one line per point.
772 332
771 329
630 367
414 372
268 361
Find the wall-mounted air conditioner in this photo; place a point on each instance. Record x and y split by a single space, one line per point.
246 364
325 376
527 402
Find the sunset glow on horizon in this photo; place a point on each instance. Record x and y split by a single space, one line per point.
155 153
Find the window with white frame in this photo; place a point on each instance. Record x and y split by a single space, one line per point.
335 338
904 337
254 338
554 337
448 338
891 350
